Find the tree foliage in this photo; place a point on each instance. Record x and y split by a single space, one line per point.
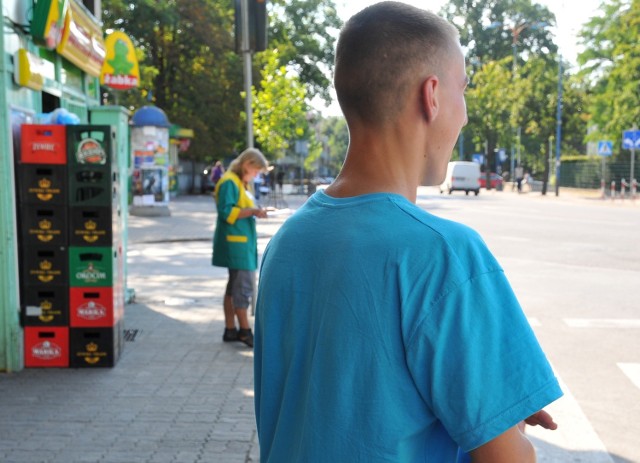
612 65
329 147
279 108
304 33
490 103
489 29
189 67
337 134
513 104
538 90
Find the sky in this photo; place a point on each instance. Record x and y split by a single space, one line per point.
570 16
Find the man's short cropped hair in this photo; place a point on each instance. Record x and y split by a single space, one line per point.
382 52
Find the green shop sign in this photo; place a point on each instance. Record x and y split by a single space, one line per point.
48 22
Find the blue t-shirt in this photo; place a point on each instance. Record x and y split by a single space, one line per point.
386 334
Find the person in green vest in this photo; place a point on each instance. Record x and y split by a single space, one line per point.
235 242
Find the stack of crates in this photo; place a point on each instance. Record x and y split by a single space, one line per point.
41 172
72 264
96 286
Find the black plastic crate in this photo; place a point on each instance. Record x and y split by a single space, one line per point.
42 184
95 347
91 226
45 266
92 186
45 306
43 225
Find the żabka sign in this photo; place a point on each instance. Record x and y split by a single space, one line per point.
120 68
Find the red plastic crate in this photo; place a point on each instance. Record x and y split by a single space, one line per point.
46 346
43 144
92 307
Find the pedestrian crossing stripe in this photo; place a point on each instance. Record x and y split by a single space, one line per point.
534 322
602 322
632 370
575 434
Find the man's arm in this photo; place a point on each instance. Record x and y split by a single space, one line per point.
540 418
252 211
509 447
513 445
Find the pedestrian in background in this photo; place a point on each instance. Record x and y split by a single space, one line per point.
280 179
385 333
519 177
216 173
257 184
235 241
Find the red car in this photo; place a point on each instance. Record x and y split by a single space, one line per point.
496 181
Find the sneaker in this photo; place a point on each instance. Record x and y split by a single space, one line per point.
246 336
230 335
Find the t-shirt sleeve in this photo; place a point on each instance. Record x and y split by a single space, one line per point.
477 362
227 199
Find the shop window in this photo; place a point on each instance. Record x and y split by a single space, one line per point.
93 6
92 84
71 76
49 102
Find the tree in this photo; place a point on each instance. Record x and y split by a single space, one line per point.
337 133
489 29
503 31
490 106
304 33
190 69
612 62
279 107
331 140
188 65
537 88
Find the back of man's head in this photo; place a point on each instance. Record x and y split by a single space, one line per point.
382 53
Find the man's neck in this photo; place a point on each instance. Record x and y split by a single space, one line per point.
383 160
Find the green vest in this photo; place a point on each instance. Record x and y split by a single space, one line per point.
235 241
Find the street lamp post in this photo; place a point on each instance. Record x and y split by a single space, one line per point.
246 58
559 124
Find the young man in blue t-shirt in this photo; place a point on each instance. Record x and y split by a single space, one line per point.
384 333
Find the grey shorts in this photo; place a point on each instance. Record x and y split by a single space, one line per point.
240 287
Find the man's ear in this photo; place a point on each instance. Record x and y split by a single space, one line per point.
429 99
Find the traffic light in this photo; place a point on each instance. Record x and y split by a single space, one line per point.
257 25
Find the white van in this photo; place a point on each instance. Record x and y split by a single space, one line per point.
462 176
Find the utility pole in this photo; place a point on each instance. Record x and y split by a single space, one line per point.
246 55
514 68
559 125
633 158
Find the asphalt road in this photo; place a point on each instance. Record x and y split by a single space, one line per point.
575 266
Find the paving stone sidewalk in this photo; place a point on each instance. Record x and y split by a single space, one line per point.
178 393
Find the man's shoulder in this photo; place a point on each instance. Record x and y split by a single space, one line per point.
385 216
430 224
434 238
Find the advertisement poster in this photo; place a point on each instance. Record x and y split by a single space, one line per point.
150 150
